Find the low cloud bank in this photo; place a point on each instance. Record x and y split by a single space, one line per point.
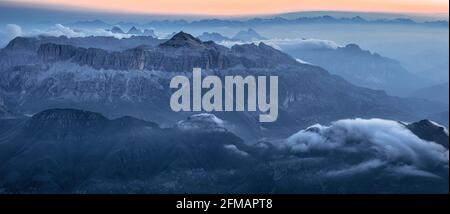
11 31
281 44
364 146
61 30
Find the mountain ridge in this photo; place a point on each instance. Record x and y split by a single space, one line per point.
89 153
135 82
361 67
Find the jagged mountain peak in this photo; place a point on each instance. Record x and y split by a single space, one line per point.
248 35
182 39
134 30
430 131
260 48
429 125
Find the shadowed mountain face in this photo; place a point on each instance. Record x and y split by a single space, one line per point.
64 150
361 67
430 131
135 82
75 151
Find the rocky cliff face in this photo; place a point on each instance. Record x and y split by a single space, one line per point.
94 57
179 54
24 50
135 82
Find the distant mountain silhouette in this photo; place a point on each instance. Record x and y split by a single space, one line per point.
248 36
318 19
135 31
116 29
361 67
217 37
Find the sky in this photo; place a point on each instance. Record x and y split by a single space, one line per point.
245 7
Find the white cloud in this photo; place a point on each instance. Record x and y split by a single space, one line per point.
202 121
9 32
304 44
282 44
303 62
13 30
61 30
375 143
234 149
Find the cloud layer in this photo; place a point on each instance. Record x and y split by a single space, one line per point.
10 31
283 44
370 145
61 30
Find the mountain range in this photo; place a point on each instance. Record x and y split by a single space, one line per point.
356 65
361 67
64 74
92 115
134 31
38 73
76 151
248 35
325 19
216 37
86 96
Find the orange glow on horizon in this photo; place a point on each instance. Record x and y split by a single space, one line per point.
249 7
